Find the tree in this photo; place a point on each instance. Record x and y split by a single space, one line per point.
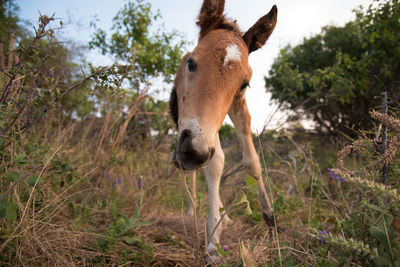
226 132
149 50
336 77
133 41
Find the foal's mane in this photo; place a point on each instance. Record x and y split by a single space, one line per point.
224 24
218 19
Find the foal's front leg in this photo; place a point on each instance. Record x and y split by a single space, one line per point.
241 118
213 172
192 204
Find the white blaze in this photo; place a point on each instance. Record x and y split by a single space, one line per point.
232 54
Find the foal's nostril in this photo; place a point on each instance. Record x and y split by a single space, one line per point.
188 157
185 133
184 140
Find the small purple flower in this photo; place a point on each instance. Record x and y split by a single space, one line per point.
51 73
225 247
140 183
335 176
119 181
122 96
321 236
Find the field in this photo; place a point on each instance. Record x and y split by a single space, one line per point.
100 189
82 200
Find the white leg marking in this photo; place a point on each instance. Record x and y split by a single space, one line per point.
192 187
213 172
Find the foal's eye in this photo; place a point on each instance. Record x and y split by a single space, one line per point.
191 65
244 85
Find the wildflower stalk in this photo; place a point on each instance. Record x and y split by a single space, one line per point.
384 137
376 188
272 202
348 244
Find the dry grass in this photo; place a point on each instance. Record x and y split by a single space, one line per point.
66 226
51 232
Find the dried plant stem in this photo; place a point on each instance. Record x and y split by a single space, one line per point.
272 202
384 137
56 199
139 101
4 194
310 208
103 133
194 215
29 199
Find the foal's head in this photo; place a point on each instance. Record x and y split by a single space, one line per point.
210 77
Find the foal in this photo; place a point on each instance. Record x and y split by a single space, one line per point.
211 83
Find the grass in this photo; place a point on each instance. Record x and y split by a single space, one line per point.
83 208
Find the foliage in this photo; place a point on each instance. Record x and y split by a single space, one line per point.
150 52
132 41
226 132
335 77
369 230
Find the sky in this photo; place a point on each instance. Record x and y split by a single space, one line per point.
296 20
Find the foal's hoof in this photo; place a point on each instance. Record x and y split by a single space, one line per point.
269 219
212 260
212 257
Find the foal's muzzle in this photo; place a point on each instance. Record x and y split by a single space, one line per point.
187 157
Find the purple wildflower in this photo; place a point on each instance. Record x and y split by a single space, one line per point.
51 73
225 248
321 236
140 182
335 176
122 96
119 181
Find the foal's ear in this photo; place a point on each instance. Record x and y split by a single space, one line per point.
211 14
259 33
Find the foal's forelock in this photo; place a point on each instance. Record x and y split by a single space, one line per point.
213 73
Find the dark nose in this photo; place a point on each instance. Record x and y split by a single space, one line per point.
184 144
187 157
